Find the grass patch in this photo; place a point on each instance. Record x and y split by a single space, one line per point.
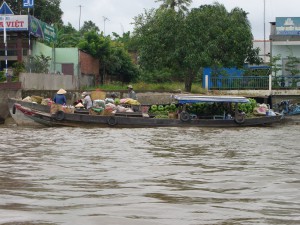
144 87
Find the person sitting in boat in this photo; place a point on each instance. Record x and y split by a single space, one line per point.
60 97
113 96
114 99
131 92
87 100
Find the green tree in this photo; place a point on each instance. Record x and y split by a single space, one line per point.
292 64
18 67
158 36
113 57
99 47
253 57
38 64
89 26
127 40
292 67
96 45
119 63
208 36
66 36
180 5
275 68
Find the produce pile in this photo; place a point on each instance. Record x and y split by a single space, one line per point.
219 108
162 111
204 109
248 107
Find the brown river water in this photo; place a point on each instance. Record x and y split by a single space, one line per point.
154 176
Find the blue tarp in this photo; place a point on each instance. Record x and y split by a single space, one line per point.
185 99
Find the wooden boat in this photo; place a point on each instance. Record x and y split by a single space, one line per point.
287 108
139 119
21 119
290 111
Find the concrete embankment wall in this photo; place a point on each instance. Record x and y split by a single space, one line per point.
36 81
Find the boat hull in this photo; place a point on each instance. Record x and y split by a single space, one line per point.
292 119
19 117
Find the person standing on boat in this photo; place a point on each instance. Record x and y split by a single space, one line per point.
60 97
131 92
87 100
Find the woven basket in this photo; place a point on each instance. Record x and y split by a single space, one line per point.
69 110
55 107
95 95
173 115
37 99
107 112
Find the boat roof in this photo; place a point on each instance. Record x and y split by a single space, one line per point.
184 99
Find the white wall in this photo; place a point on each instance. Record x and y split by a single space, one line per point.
37 81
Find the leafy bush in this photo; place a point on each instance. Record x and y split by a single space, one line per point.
154 76
38 64
18 67
2 76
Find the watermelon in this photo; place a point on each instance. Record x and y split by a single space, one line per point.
153 108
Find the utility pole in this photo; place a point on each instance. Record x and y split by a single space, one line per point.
264 30
79 16
104 19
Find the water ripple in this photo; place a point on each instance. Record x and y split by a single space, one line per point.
178 176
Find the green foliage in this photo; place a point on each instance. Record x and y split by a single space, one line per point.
226 42
66 36
163 75
126 40
38 64
119 62
112 54
96 45
275 66
292 65
208 36
18 67
141 86
89 26
208 109
162 111
157 36
247 107
253 57
2 76
181 5
257 72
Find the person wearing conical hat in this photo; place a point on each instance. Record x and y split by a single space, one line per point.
131 92
60 97
87 100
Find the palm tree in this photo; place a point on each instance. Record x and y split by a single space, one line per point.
182 5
